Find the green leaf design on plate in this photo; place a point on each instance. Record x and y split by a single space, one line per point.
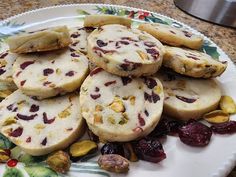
12 172
5 143
210 50
82 12
40 171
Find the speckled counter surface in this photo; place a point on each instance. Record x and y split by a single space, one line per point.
222 36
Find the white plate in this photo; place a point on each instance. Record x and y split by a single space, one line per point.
215 160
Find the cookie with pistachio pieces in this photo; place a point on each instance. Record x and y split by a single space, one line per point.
48 74
188 98
79 36
125 51
105 19
40 40
41 127
173 36
192 63
120 108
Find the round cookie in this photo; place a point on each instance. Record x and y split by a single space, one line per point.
51 73
188 98
124 51
41 127
172 36
41 40
79 36
120 108
192 63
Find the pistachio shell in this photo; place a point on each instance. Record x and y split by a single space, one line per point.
217 116
82 148
227 105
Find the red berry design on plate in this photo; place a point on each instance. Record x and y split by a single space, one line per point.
12 163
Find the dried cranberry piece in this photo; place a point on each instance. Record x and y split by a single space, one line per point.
185 99
96 49
28 140
172 32
26 64
152 97
141 120
48 71
154 53
101 43
34 108
129 39
3 55
195 134
150 82
10 108
124 42
95 71
129 65
149 149
95 96
97 89
25 117
155 97
46 83
112 148
17 132
126 80
88 29
22 82
75 35
74 55
149 44
46 120
18 73
2 71
44 142
146 113
187 34
224 128
110 83
147 97
70 73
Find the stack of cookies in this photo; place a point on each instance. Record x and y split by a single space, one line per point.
123 96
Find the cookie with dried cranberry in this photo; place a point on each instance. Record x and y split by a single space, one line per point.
125 51
188 98
173 36
41 40
41 127
79 38
105 19
192 63
120 108
48 74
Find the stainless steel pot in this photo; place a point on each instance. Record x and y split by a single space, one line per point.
222 12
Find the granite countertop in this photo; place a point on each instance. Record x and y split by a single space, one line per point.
222 36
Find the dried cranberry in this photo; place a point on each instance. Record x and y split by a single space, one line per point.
112 148
17 132
34 108
154 53
28 140
110 83
124 42
95 96
11 108
172 32
25 117
141 120
46 120
75 35
126 80
18 73
195 134
146 113
47 71
26 64
150 82
22 82
3 55
185 99
88 29
129 39
70 73
129 65
147 97
155 97
224 128
187 34
46 83
152 97
44 142
74 55
101 43
149 44
95 71
102 50
149 149
2 71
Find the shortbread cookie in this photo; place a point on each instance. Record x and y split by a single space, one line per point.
120 108
188 98
124 51
41 40
192 63
173 36
100 20
6 61
51 73
41 127
79 38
